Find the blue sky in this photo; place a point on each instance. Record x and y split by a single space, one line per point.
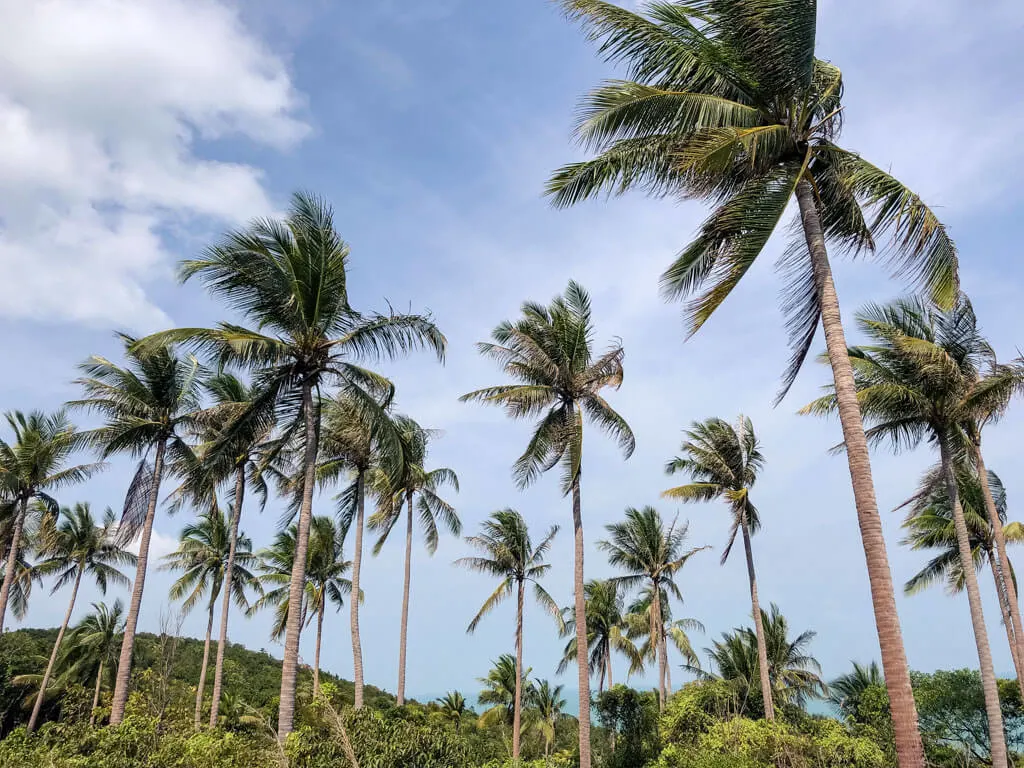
131 133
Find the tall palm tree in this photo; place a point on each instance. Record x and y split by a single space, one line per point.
507 553
650 554
919 379
605 630
723 461
289 279
204 550
72 549
845 691
32 465
548 701
499 690
454 706
148 405
25 573
640 627
549 352
726 102
324 580
93 648
415 489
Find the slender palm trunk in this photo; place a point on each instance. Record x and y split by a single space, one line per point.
12 559
608 666
290 663
668 667
202 669
883 599
1004 609
405 607
762 648
996 734
124 663
316 653
517 708
96 695
53 654
582 667
225 607
357 561
658 632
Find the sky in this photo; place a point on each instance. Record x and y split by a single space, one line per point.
133 132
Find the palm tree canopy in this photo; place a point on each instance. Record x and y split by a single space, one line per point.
78 544
726 101
549 352
639 626
500 688
453 704
846 690
95 640
606 627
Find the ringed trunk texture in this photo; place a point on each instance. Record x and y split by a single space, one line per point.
357 561
582 667
762 648
12 560
225 608
996 734
124 663
658 631
96 695
517 708
405 608
1004 608
909 749
53 654
290 663
316 653
608 666
202 669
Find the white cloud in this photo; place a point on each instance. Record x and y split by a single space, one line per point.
102 103
160 545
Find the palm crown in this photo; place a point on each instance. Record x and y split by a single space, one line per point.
76 543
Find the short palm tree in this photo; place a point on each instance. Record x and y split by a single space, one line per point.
416 490
33 465
920 378
93 649
605 630
74 548
549 352
148 405
845 691
507 553
499 690
649 636
324 580
723 461
453 705
650 555
548 701
205 548
289 279
724 101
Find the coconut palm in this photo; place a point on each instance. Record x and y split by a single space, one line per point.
641 628
548 701
507 553
650 555
33 465
499 690
605 630
722 461
148 405
415 489
25 574
549 353
93 649
324 580
845 691
288 278
726 102
921 379
204 550
453 705
72 549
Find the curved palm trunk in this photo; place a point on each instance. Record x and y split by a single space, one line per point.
658 627
1004 608
582 667
517 708
96 695
293 626
883 599
124 663
202 669
996 734
357 560
12 559
316 653
405 608
762 648
225 607
53 654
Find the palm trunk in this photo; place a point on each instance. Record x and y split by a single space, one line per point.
658 631
608 666
12 559
293 627
124 663
1004 608
202 669
53 654
582 667
909 749
225 608
762 648
357 560
997 737
316 653
96 696
405 608
668 667
517 708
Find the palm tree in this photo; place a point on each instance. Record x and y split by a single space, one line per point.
507 553
204 550
453 705
605 630
722 461
324 580
25 574
726 102
499 691
73 548
549 352
920 379
93 648
548 701
640 626
289 279
32 465
845 691
149 404
642 547
414 488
